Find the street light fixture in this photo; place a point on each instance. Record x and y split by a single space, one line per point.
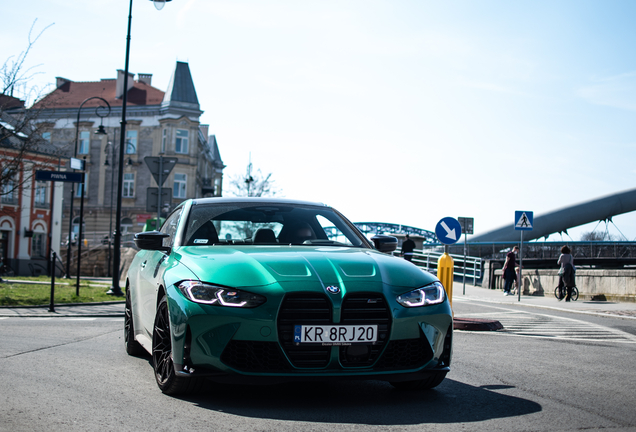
70 229
115 289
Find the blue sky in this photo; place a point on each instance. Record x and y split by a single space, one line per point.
392 111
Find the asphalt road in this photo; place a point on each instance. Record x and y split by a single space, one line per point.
546 371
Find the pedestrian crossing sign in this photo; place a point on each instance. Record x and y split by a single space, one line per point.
523 220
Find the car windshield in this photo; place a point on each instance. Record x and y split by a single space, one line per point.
268 224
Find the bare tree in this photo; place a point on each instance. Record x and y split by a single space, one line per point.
19 131
253 184
15 77
598 236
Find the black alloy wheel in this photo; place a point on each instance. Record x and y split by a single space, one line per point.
162 361
133 347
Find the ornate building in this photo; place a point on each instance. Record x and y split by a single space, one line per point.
158 124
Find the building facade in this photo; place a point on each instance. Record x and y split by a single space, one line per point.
158 124
30 210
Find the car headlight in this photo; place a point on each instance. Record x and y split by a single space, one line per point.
429 295
200 292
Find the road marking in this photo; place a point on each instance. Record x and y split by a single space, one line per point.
531 324
80 319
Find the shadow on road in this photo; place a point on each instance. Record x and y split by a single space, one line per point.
364 402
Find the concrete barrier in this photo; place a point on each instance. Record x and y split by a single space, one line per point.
612 285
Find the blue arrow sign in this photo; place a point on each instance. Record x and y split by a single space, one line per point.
71 177
524 220
448 230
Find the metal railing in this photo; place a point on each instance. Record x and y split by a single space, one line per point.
428 257
95 238
552 250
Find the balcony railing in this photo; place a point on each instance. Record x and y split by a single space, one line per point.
9 199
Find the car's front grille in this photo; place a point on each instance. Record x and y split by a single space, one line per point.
252 356
308 309
365 309
405 354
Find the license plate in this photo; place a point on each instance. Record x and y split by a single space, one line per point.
336 334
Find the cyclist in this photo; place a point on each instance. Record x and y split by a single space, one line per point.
566 273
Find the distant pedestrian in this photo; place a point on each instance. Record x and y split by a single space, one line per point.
407 248
509 270
566 273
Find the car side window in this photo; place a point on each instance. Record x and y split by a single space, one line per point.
170 227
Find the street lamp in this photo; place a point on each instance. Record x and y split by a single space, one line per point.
115 289
70 229
112 188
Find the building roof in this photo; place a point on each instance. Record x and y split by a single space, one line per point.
71 94
8 102
181 87
214 149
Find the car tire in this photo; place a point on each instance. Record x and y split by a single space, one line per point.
423 384
133 348
162 361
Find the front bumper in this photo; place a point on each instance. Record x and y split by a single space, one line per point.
255 345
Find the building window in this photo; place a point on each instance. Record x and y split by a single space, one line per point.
9 192
180 183
129 185
38 245
47 136
164 138
81 186
181 141
126 225
84 142
131 142
40 194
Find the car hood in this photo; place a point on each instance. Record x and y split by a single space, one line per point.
254 266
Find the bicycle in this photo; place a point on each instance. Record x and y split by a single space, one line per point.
560 293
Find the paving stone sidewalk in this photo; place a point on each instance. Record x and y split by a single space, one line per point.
601 308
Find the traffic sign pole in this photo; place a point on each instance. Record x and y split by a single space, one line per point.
448 231
159 201
520 268
524 221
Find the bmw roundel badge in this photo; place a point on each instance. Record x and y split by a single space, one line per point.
333 289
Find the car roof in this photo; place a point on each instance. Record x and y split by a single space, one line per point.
255 200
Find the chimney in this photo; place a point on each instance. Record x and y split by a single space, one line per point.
119 89
145 78
59 81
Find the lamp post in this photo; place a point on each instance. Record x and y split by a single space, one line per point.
99 131
112 188
115 289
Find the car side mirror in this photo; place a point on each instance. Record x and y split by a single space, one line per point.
384 243
151 240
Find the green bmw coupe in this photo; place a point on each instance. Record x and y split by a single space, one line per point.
266 290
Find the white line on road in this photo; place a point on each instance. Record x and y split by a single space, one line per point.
530 324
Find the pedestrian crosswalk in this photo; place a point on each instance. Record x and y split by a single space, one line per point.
528 324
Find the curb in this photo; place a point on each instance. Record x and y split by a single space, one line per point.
62 305
58 315
476 324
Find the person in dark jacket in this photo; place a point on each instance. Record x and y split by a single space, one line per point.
509 271
407 248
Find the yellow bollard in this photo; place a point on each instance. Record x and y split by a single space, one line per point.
445 267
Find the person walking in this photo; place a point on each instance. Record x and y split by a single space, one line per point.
566 273
509 270
407 248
